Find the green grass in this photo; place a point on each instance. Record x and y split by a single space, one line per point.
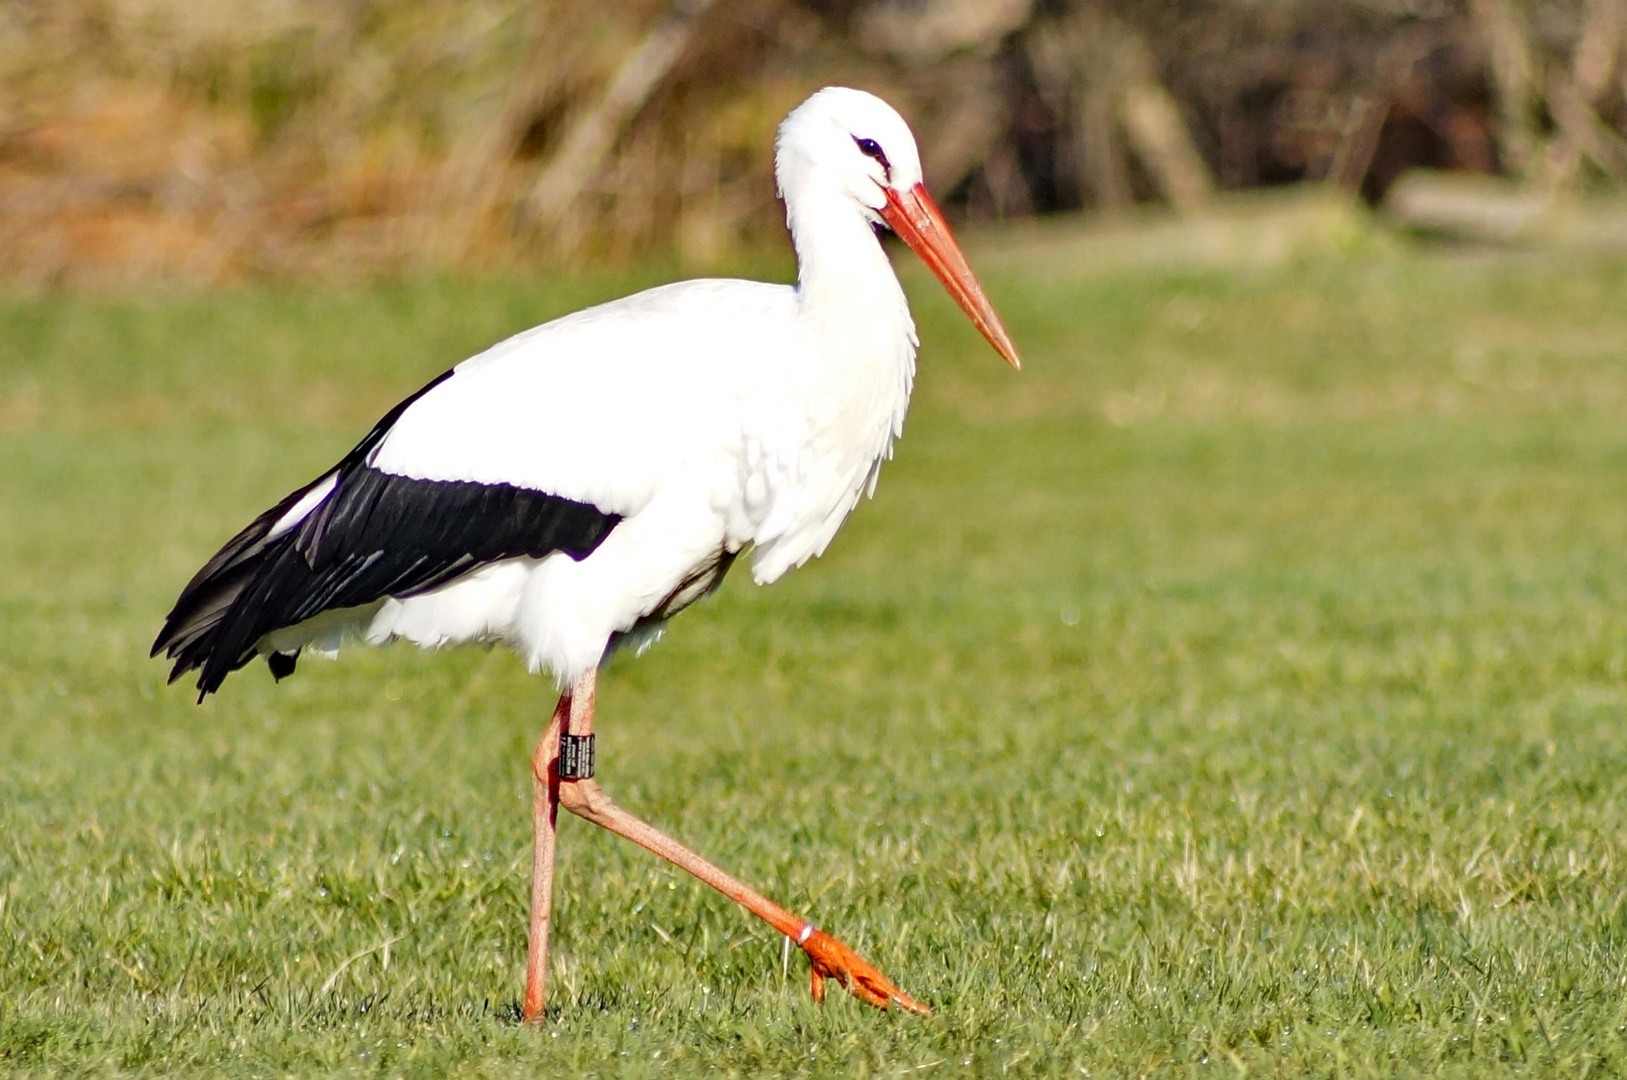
1238 689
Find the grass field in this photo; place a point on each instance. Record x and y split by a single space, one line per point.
1239 689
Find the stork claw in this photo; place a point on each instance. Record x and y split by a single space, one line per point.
830 959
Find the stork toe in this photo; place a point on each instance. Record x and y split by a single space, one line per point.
830 959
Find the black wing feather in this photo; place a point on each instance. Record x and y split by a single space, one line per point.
375 535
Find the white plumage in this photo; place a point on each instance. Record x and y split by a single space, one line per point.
704 413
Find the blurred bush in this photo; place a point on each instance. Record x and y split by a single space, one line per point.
219 141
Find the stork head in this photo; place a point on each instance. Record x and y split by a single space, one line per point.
856 144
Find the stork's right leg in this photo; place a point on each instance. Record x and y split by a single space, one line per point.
829 958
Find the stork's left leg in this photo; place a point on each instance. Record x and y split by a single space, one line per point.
830 959
544 828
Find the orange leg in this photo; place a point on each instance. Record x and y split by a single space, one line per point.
830 959
544 827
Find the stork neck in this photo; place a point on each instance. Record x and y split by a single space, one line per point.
845 283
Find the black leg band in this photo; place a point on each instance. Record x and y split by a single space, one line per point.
575 757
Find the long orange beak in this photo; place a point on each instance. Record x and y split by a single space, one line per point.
915 218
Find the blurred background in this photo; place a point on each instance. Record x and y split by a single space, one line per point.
220 142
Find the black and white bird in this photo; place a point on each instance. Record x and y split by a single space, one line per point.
569 490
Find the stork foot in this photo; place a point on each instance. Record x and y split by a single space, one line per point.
830 959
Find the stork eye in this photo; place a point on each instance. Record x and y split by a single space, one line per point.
871 148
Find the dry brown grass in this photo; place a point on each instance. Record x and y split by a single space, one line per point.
222 141
218 142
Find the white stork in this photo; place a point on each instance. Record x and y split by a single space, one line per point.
569 490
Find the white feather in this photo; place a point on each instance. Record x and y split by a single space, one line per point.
307 502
